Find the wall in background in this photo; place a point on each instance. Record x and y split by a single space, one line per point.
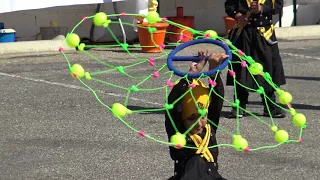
208 14
27 23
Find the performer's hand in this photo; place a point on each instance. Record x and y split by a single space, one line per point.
216 59
255 7
242 19
196 67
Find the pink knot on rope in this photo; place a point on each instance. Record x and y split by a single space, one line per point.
141 133
243 64
179 146
211 82
180 38
123 14
164 19
60 49
84 18
232 73
192 85
151 61
207 36
241 53
300 140
156 74
162 46
170 84
247 149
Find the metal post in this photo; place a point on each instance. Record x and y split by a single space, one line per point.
295 12
280 19
115 7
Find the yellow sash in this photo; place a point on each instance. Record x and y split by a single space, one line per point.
266 34
202 144
259 2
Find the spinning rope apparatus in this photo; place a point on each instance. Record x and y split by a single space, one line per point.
178 140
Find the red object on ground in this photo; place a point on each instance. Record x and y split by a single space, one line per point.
180 33
230 23
148 40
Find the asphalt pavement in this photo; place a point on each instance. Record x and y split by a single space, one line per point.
53 127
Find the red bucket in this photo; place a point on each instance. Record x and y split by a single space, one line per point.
180 34
230 23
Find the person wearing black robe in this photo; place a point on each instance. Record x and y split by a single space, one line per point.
263 49
188 164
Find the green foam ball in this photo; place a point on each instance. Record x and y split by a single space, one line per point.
212 34
169 106
100 18
153 17
106 24
260 90
81 47
299 120
281 136
73 40
239 143
285 98
202 112
120 110
279 91
292 111
274 128
134 88
255 68
87 75
250 60
77 71
178 139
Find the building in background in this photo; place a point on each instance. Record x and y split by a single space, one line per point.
208 14
27 23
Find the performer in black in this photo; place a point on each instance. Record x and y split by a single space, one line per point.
258 40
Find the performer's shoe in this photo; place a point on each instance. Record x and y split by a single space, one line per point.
233 113
275 112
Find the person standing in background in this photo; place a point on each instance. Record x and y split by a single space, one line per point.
254 34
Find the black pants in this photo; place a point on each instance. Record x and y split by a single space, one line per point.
243 95
197 168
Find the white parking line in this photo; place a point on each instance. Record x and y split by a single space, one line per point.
301 56
79 88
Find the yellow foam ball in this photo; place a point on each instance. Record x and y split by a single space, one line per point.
77 71
281 136
212 34
153 17
120 110
285 98
239 143
299 120
73 40
178 139
255 68
100 18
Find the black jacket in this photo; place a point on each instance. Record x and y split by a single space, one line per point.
232 7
